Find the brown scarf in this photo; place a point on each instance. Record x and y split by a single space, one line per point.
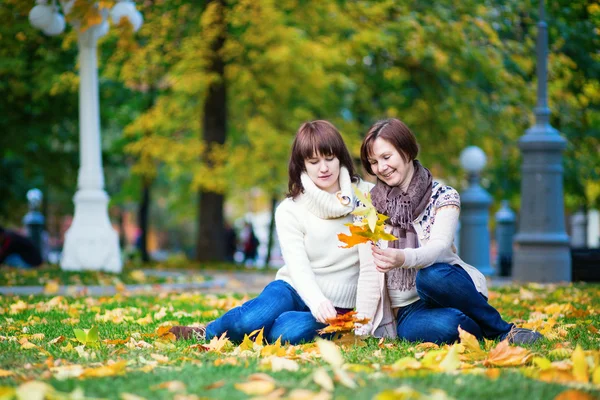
403 208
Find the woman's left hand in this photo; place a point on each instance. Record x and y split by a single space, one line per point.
387 259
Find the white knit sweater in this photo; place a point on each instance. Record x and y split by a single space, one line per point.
315 265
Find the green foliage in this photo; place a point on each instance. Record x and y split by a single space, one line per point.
457 74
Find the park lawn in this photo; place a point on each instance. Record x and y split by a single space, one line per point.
135 355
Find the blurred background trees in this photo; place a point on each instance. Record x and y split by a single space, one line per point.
199 108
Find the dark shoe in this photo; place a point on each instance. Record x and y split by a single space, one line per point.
189 332
523 336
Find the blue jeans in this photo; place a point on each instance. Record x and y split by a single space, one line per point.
448 299
15 260
279 309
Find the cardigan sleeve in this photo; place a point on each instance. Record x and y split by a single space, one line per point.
440 239
291 240
368 291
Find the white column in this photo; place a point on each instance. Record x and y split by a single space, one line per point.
90 243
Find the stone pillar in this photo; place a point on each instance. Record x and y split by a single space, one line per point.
579 230
474 216
505 231
34 220
542 251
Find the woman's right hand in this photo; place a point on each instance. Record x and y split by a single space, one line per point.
325 311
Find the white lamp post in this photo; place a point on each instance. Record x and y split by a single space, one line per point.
90 243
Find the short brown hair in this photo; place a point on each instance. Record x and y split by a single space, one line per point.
396 133
312 138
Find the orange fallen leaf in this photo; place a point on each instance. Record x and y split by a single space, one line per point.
504 355
164 333
573 394
215 385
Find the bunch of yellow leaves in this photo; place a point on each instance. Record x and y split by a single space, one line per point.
343 323
370 227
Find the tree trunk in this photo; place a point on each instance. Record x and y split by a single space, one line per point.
210 240
271 232
143 221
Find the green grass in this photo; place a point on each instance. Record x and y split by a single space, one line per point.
575 308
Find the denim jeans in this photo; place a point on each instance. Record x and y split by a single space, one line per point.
279 309
448 299
15 260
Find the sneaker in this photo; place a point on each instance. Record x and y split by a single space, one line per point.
197 333
520 336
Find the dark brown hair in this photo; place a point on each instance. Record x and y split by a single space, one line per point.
312 138
396 133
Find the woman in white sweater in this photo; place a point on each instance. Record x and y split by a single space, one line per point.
417 288
319 279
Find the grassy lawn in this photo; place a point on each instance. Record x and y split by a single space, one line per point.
133 356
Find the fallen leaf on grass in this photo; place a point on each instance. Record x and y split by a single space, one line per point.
322 378
52 287
164 333
304 394
580 366
215 385
118 368
67 371
7 392
471 345
87 336
256 387
504 355
451 362
5 373
573 394
34 390
57 340
330 352
280 364
171 386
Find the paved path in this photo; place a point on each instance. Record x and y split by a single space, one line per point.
221 282
243 282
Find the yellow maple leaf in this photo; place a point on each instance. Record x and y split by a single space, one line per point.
580 367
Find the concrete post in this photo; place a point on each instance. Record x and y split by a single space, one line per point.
579 230
34 220
474 215
505 231
542 251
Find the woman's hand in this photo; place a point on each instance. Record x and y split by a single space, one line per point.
387 259
325 311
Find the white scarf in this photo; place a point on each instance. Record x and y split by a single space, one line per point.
326 205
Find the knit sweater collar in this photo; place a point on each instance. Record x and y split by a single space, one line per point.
326 205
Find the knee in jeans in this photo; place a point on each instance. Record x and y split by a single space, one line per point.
244 324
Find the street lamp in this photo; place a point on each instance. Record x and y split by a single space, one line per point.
475 203
90 243
542 246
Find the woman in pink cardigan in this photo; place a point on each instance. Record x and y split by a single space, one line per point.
417 288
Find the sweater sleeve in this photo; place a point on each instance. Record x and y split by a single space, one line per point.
441 238
368 291
291 240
